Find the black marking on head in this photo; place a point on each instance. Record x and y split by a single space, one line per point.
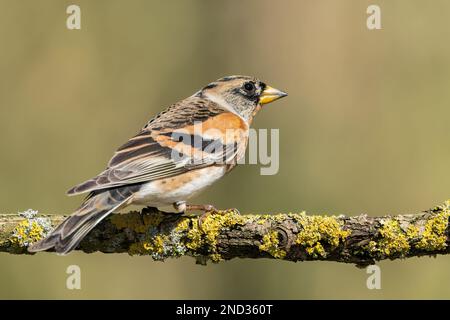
225 79
252 96
210 86
263 86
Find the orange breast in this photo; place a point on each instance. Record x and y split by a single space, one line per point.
227 127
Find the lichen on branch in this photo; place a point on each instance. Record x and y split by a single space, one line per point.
224 235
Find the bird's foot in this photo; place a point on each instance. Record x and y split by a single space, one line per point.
180 206
209 210
202 207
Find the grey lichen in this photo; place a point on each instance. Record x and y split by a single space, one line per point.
179 237
30 229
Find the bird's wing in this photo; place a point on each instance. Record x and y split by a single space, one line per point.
191 134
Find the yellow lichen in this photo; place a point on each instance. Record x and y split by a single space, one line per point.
182 224
136 221
434 235
194 236
317 235
147 245
215 257
412 233
316 250
210 229
27 232
30 230
207 234
317 231
138 248
213 223
372 246
278 217
184 234
270 244
393 239
156 245
154 241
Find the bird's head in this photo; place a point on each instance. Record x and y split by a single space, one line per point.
241 94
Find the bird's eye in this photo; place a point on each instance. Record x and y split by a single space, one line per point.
249 87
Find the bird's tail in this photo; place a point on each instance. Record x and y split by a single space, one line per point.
74 228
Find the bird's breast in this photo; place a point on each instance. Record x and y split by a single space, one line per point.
178 188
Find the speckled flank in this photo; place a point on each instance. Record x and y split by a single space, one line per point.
167 191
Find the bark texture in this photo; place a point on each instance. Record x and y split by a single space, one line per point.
361 240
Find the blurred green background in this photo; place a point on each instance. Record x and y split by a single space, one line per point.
365 129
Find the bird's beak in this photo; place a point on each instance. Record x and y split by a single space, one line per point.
271 94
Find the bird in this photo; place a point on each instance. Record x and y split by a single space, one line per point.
178 153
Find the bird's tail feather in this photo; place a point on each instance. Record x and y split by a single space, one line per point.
71 231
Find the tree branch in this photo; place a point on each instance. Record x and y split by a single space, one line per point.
361 240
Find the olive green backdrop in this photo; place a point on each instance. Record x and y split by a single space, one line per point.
365 129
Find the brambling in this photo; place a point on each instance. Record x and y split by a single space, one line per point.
178 153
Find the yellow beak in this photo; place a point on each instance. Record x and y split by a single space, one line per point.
271 94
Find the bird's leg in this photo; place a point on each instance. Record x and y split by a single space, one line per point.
201 207
180 206
207 209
